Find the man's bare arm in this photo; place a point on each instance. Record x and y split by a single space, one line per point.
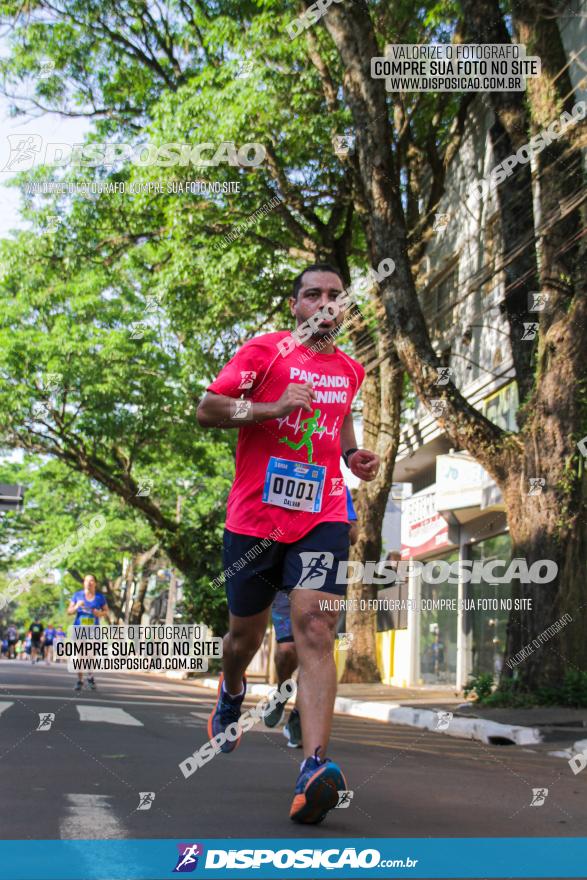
347 434
220 411
362 463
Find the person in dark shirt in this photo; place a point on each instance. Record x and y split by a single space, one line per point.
36 630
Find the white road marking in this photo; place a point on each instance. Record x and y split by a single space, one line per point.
89 817
204 715
4 706
173 703
108 715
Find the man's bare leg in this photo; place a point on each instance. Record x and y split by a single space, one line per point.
314 633
286 661
241 643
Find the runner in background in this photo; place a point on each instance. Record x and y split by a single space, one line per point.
286 663
36 631
50 632
286 658
12 636
60 636
352 515
88 605
294 424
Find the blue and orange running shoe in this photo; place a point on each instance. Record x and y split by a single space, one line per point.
317 790
227 711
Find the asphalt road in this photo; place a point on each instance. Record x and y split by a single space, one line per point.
81 778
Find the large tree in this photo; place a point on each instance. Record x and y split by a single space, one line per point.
162 74
552 524
58 501
118 249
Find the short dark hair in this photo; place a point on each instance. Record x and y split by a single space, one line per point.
315 267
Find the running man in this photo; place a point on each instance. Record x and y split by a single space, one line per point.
88 605
275 485
36 631
286 657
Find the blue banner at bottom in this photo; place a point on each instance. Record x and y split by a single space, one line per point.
472 857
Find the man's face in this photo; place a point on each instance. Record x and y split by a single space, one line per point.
317 290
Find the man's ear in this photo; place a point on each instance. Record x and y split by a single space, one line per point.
292 304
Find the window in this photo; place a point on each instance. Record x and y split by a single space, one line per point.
438 630
438 303
489 628
491 251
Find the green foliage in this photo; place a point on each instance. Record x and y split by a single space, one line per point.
509 695
41 601
480 684
57 501
571 692
205 603
123 412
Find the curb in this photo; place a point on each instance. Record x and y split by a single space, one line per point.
488 732
578 748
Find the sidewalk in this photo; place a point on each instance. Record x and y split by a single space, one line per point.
560 731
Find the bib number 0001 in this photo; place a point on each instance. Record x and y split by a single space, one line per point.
294 486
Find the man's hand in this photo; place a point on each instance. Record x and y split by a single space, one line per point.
296 395
364 464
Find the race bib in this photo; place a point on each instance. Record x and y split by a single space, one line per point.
87 621
294 485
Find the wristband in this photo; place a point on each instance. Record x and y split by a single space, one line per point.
346 455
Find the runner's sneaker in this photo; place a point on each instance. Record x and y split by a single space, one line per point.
226 712
293 730
316 790
78 686
275 710
91 682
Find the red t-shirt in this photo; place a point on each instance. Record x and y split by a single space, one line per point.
260 373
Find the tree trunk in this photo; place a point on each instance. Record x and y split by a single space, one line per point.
114 597
560 183
138 603
484 23
552 525
381 420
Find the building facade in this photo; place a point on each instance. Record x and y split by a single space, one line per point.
451 509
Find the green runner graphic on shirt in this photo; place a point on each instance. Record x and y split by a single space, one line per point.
309 426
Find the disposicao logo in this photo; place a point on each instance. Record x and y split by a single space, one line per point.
187 860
